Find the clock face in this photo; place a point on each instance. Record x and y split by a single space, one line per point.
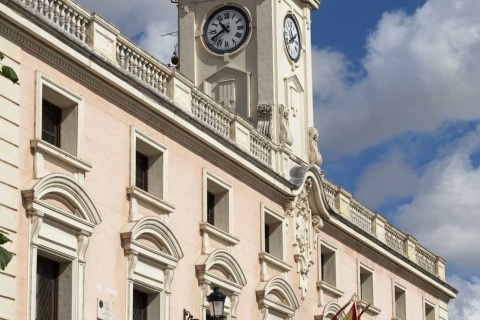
291 35
226 29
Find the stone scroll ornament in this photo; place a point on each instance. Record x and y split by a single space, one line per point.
265 114
314 156
299 211
285 137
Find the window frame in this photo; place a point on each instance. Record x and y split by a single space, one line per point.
45 150
433 306
359 280
396 285
155 202
210 230
324 286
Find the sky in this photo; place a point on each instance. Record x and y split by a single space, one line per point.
397 106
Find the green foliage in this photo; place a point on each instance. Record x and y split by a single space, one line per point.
5 255
7 71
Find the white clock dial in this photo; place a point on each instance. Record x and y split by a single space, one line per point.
291 35
226 29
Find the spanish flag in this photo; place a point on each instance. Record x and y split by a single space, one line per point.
352 313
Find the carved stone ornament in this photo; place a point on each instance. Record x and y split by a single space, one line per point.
186 4
314 157
302 217
285 133
264 124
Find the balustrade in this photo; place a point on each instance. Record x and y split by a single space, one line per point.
211 113
360 216
261 147
395 239
330 191
66 15
425 258
141 65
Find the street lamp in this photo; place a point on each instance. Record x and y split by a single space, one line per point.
216 302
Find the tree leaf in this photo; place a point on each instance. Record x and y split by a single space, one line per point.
9 73
3 238
5 258
1 55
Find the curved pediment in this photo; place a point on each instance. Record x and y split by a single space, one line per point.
154 233
63 192
221 261
277 294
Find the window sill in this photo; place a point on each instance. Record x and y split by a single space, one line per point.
330 288
144 196
41 146
371 310
216 232
274 261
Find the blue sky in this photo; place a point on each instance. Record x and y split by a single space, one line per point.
397 105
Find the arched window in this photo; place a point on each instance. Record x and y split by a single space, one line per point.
222 270
62 217
152 252
329 311
276 299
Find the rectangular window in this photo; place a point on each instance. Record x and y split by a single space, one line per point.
47 289
328 265
148 169
218 205
400 303
140 305
273 234
51 121
141 171
366 285
429 311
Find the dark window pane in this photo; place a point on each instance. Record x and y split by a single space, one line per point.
140 304
267 238
51 121
210 208
141 171
47 289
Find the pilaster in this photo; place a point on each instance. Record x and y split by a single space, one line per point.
342 201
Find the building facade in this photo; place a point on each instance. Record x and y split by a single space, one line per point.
130 188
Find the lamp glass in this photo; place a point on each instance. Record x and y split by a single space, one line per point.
216 302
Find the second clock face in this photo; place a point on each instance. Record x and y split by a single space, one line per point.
291 35
226 29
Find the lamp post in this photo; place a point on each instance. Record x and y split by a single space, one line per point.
216 302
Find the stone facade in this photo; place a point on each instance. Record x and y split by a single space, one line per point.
220 201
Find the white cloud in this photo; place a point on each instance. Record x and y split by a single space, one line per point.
444 213
467 304
419 72
145 20
389 178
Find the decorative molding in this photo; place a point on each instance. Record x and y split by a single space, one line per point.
265 115
314 157
322 285
285 301
285 135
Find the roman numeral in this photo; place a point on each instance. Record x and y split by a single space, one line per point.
234 42
212 31
219 43
238 35
226 15
226 45
238 20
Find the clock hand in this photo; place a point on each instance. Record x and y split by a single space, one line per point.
224 27
216 36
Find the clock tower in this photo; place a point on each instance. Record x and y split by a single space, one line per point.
254 58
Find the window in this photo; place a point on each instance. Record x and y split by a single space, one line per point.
64 217
141 171
273 234
152 253
148 177
400 302
59 116
51 120
366 284
429 310
47 289
328 265
58 130
218 205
